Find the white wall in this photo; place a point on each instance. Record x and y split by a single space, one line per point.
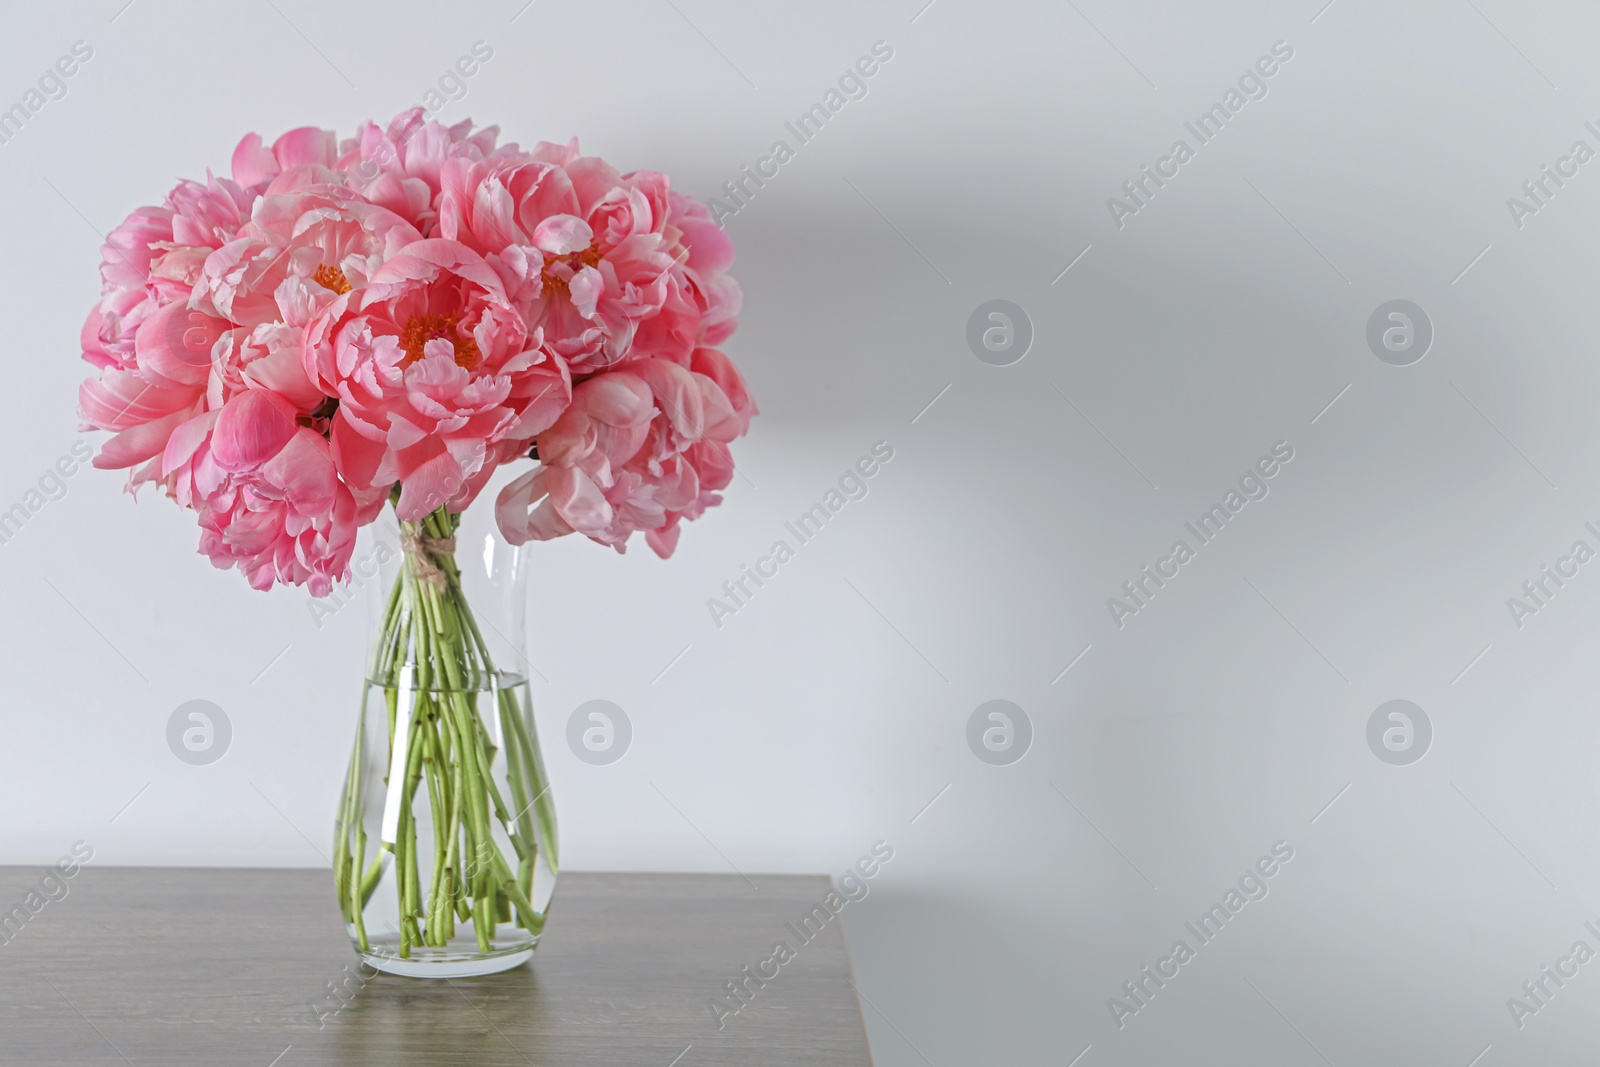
824 716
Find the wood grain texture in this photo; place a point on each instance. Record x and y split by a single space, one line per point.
179 967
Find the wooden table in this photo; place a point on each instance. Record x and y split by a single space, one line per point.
177 967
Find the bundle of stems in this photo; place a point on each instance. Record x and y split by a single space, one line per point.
432 665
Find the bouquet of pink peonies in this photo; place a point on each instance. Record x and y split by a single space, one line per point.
398 315
392 318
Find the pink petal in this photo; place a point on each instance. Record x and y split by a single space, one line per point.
493 223
252 161
586 288
251 429
561 235
722 423
710 248
356 456
139 443
579 501
428 486
186 439
663 540
423 260
305 145
303 469
174 344
618 399
119 400
511 507
552 392
677 393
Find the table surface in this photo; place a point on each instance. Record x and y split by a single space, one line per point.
173 967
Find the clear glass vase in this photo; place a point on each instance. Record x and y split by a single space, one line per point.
445 844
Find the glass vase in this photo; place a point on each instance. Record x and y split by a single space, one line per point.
445 843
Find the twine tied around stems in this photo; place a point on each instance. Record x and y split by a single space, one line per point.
422 551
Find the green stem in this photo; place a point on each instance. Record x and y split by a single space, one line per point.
531 763
431 764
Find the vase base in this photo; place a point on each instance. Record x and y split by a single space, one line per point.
452 965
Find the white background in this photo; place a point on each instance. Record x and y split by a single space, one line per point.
827 714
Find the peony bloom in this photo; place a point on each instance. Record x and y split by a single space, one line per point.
269 498
399 167
290 520
628 455
710 457
154 380
152 348
707 252
149 382
306 244
596 259
431 367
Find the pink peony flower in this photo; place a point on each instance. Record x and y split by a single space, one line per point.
591 256
708 253
431 367
268 495
152 348
289 520
399 166
627 455
148 383
306 242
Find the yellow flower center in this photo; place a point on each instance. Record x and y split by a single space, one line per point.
589 257
331 278
420 329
